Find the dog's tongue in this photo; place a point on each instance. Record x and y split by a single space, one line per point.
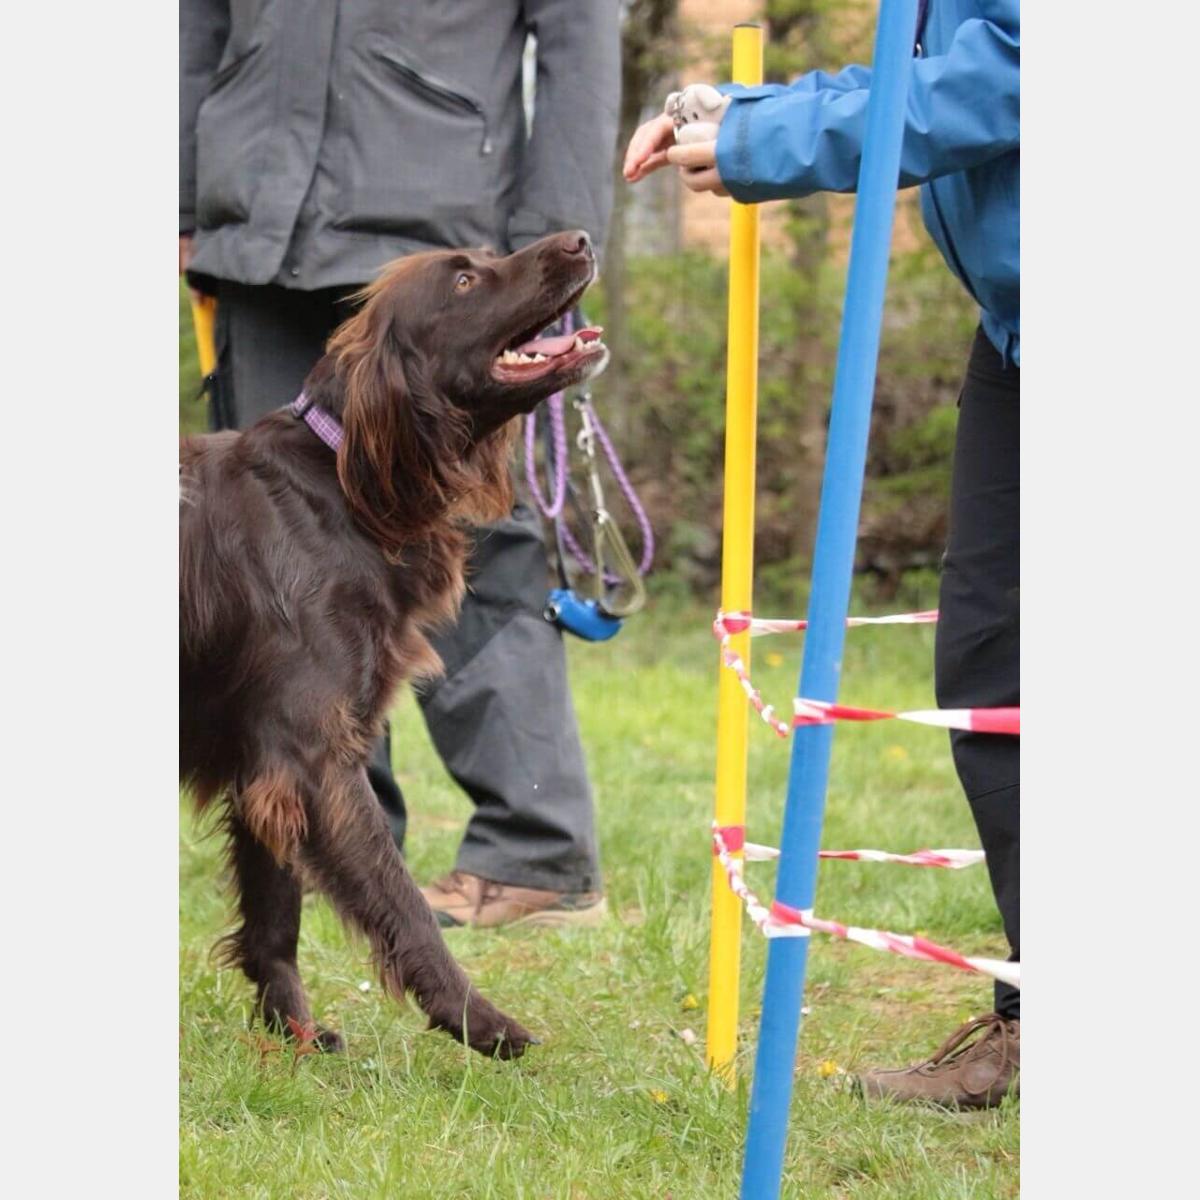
550 346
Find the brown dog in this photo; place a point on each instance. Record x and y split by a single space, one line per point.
308 577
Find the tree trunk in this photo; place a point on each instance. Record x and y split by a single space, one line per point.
648 55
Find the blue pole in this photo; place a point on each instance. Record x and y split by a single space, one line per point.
833 564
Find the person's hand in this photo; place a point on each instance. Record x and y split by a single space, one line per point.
684 135
648 147
697 163
698 111
185 258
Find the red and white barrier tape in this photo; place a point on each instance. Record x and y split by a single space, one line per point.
781 920
823 712
733 660
975 720
734 837
738 622
952 860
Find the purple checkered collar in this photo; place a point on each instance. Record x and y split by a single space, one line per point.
323 423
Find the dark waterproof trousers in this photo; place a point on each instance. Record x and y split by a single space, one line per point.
978 648
501 718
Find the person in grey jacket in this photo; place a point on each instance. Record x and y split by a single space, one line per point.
320 141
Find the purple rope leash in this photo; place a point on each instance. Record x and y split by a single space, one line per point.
582 557
558 428
552 509
631 498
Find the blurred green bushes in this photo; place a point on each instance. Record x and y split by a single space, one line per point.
666 408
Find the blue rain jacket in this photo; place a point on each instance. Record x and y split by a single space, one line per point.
962 144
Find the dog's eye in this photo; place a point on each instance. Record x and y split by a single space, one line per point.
463 282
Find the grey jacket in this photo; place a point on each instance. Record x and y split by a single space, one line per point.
319 139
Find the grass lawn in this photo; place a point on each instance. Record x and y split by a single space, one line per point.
615 1103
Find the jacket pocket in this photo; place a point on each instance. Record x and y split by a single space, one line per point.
231 131
418 158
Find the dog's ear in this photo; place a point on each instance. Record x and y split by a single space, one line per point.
398 462
408 456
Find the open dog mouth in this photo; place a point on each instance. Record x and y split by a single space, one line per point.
541 356
531 357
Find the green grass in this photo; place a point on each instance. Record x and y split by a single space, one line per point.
614 1103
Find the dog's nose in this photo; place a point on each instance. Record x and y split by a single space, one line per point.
577 242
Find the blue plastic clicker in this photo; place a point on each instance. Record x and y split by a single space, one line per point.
584 618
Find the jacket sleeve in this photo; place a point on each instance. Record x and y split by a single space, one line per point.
203 31
963 109
566 177
846 80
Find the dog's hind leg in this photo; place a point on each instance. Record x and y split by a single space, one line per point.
350 854
264 945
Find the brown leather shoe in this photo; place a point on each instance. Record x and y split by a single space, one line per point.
463 899
962 1073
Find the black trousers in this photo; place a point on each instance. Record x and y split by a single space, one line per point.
501 718
978 646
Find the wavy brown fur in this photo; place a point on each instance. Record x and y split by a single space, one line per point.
403 467
307 585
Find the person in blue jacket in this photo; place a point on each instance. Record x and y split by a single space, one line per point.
962 147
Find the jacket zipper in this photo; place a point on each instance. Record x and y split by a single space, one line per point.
444 92
918 37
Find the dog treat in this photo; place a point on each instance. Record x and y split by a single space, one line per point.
697 112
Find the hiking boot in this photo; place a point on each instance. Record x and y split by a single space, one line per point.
966 1071
463 899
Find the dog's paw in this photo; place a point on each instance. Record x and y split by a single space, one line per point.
317 1037
329 1040
509 1042
485 1029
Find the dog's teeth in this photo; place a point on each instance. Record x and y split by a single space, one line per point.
517 358
578 343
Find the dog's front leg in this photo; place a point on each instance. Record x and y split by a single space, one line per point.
264 945
350 854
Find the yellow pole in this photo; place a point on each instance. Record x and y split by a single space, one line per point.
204 315
737 574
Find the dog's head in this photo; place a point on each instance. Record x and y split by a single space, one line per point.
429 372
475 318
